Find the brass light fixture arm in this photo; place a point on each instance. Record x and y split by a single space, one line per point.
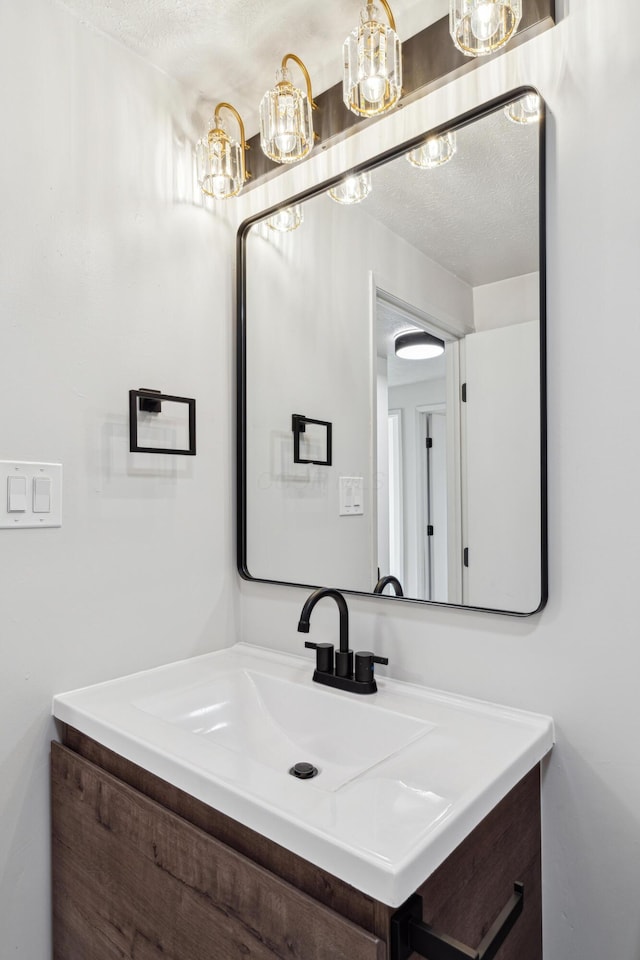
392 22
292 56
223 105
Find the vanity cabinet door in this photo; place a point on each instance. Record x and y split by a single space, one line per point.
465 895
133 880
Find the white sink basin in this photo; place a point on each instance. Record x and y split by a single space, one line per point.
404 775
278 723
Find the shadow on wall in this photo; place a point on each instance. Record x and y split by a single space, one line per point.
180 171
118 465
606 896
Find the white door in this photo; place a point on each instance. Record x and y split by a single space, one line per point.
501 421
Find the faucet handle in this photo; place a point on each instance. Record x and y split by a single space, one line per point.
324 656
364 665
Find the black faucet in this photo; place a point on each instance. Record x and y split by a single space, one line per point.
386 581
340 675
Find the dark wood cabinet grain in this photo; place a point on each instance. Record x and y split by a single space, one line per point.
143 871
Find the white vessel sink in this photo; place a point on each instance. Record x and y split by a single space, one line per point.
404 775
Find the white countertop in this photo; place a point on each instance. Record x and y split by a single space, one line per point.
404 774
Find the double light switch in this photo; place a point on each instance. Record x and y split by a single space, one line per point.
33 494
351 491
18 494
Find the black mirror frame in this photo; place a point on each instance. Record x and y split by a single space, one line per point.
241 352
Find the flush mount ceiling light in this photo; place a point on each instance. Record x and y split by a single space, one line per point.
286 123
372 81
434 152
286 219
418 345
527 109
220 160
479 27
352 189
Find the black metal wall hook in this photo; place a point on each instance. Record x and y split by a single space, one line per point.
410 935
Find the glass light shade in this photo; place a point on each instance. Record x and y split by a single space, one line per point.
352 189
286 124
525 110
434 152
372 81
219 163
286 219
418 345
479 27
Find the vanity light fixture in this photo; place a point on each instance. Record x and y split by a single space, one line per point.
527 109
418 345
286 122
372 81
352 189
434 152
286 219
220 159
479 27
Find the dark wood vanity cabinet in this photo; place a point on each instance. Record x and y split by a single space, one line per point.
142 871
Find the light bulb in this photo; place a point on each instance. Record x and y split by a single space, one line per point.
285 137
435 152
480 27
285 142
372 88
220 160
485 19
286 219
372 79
220 185
527 109
286 125
352 189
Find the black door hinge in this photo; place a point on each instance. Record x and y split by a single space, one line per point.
465 556
428 442
464 393
430 530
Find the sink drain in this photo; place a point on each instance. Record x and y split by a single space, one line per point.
303 770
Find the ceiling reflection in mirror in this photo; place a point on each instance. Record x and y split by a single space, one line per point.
403 314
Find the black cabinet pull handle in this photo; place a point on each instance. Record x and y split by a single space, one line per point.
410 935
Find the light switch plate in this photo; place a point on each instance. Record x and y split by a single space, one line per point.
351 496
29 518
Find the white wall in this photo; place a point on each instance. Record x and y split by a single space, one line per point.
110 278
501 478
309 351
579 659
500 304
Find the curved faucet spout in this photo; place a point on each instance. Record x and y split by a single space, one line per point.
310 602
386 581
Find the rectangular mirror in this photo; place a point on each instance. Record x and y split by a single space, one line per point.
412 321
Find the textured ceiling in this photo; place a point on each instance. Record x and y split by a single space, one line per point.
477 216
230 49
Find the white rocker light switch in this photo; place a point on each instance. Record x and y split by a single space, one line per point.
41 495
16 494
